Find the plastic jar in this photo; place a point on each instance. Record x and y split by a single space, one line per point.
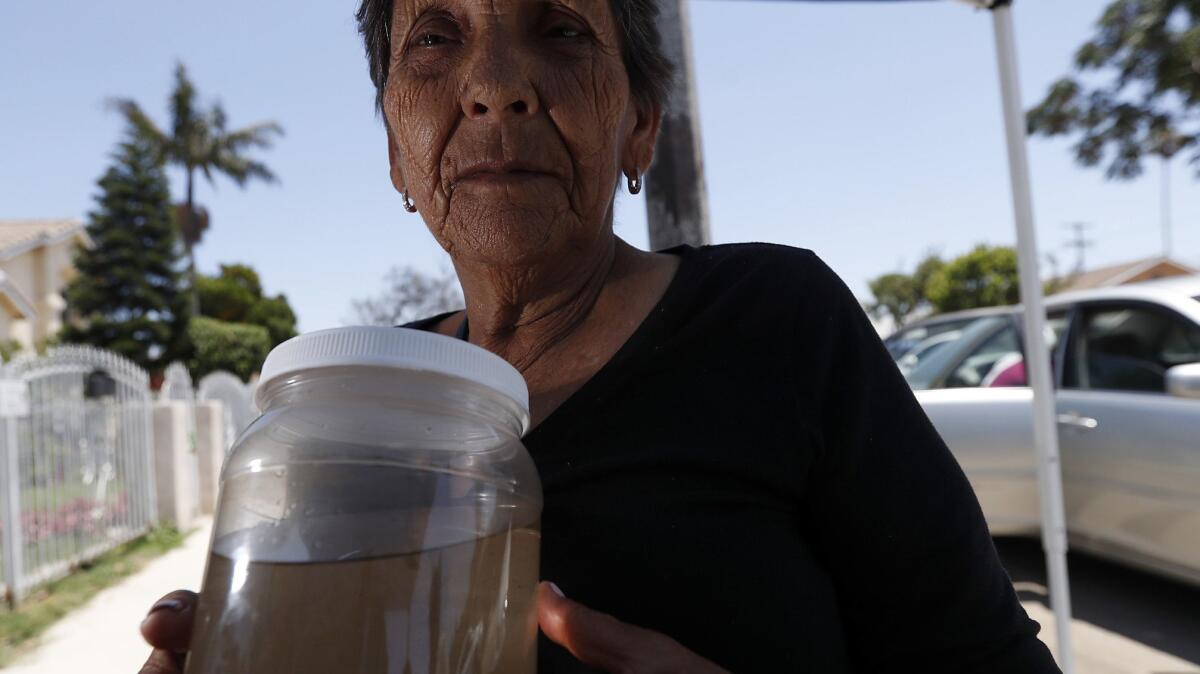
380 516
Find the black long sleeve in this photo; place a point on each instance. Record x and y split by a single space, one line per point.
751 476
892 516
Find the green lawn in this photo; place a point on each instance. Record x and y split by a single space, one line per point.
51 602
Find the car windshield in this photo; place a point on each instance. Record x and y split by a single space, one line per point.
925 348
925 372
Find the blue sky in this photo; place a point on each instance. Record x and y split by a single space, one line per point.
869 133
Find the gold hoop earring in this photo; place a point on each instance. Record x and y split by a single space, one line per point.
635 184
409 204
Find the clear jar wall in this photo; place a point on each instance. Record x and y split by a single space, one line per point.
374 520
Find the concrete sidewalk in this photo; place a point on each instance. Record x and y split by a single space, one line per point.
1099 651
102 637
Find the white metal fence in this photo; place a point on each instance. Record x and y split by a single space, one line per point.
237 398
76 461
177 384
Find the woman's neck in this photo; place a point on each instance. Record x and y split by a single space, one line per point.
521 314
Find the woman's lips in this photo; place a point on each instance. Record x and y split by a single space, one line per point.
501 173
501 177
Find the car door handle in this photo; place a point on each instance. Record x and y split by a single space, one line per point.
1077 420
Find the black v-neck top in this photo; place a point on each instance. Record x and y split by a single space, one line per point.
751 476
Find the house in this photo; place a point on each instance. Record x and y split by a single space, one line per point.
36 263
1123 274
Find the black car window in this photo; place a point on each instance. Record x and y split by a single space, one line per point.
1129 348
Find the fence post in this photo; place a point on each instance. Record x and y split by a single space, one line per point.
149 451
211 427
14 403
175 464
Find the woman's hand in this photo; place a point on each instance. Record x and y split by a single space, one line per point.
597 639
168 628
600 640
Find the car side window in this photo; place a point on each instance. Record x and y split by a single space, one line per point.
997 358
999 361
1129 348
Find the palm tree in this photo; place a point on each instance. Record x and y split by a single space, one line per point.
199 141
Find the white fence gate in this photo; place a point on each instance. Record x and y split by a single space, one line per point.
237 398
76 461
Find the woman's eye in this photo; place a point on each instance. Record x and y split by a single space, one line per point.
430 40
566 32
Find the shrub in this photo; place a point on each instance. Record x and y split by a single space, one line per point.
217 345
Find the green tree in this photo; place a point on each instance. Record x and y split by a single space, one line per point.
235 295
984 277
1145 59
895 296
927 268
898 294
126 295
199 141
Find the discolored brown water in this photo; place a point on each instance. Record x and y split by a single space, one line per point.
467 608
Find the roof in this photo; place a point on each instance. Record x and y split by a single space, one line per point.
1114 275
19 236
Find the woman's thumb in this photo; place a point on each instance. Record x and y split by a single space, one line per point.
594 638
169 624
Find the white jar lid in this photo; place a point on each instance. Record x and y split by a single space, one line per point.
398 348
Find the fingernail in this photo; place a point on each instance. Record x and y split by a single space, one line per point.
557 590
173 605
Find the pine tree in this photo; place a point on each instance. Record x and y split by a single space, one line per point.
127 296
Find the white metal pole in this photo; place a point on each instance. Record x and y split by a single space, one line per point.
1037 361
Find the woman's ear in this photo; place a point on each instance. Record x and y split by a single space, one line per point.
394 160
639 145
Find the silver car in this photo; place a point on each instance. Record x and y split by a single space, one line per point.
1127 377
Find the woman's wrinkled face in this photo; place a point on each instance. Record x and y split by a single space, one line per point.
510 122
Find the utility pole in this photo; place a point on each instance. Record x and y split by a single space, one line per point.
1080 243
676 196
1166 205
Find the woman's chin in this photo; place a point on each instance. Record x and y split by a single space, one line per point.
514 231
510 236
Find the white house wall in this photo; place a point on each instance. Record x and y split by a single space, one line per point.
41 274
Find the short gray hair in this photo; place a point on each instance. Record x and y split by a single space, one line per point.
649 70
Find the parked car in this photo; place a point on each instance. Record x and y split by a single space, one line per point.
1126 368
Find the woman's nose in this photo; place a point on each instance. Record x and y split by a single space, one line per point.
499 90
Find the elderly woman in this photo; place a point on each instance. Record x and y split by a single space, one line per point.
736 476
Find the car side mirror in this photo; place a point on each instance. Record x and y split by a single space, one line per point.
1183 381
